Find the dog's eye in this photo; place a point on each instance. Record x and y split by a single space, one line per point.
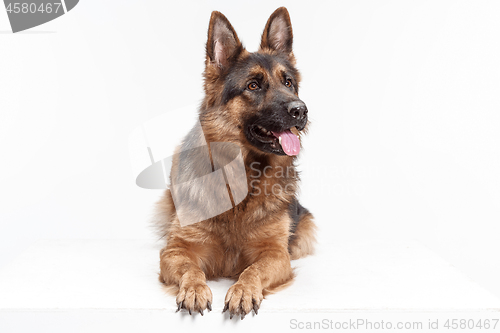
288 83
253 86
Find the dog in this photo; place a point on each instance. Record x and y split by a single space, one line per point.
251 100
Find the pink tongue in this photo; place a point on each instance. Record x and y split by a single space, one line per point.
289 142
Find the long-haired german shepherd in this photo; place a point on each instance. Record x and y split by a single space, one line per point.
251 99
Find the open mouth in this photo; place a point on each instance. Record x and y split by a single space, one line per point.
278 140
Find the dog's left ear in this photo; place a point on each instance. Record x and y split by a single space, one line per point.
278 33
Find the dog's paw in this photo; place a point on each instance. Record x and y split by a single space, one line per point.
194 297
242 298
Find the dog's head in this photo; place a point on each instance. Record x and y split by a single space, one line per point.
252 98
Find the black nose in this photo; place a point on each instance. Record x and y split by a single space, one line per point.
298 110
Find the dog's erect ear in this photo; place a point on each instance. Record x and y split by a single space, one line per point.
278 34
223 45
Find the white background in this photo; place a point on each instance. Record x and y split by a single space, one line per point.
404 99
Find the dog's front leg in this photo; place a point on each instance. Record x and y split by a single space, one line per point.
179 268
270 269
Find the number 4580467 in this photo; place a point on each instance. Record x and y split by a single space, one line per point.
471 324
25 8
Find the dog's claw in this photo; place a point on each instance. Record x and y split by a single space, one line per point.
255 307
200 311
209 306
242 312
225 307
231 315
189 311
179 306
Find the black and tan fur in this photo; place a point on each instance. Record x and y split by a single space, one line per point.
255 241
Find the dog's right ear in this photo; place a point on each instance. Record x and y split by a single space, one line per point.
278 35
223 45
